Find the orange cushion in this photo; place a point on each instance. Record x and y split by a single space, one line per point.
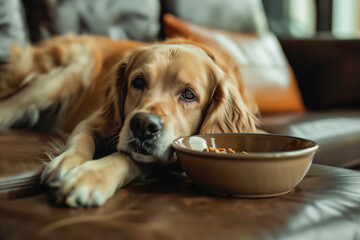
263 65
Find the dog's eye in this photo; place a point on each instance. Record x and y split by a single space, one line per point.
188 95
138 83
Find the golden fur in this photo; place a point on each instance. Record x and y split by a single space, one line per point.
94 81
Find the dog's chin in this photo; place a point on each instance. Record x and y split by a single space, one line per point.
163 158
157 150
148 154
139 157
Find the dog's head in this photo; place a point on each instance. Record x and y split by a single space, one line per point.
162 92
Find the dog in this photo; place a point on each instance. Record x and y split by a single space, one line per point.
129 100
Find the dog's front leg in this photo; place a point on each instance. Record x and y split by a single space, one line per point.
80 148
93 182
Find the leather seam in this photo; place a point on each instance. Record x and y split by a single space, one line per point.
8 183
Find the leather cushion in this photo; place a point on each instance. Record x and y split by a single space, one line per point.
22 157
336 132
324 206
262 63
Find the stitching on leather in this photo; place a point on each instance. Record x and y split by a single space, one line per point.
8 183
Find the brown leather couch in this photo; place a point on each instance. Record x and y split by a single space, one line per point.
324 206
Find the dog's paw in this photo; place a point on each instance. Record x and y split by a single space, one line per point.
85 186
56 169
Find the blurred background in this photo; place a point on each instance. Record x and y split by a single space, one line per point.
23 21
34 20
308 18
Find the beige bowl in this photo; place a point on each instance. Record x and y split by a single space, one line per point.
274 164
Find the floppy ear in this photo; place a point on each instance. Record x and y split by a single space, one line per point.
227 112
113 110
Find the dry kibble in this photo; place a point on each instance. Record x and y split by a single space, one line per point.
230 150
221 150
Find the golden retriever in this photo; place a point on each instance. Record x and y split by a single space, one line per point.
129 100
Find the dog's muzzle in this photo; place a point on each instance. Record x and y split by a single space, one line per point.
146 129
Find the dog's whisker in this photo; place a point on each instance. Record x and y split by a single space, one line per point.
111 141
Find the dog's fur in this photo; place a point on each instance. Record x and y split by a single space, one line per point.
99 86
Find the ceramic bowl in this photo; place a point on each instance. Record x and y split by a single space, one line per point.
273 164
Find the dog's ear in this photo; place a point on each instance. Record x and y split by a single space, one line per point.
227 111
113 110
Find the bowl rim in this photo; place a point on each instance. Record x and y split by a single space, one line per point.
250 155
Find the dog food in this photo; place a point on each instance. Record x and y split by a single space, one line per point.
221 150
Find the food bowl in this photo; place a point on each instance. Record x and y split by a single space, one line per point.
271 164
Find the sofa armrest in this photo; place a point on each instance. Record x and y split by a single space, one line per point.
327 71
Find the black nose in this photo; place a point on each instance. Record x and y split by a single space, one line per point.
145 125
